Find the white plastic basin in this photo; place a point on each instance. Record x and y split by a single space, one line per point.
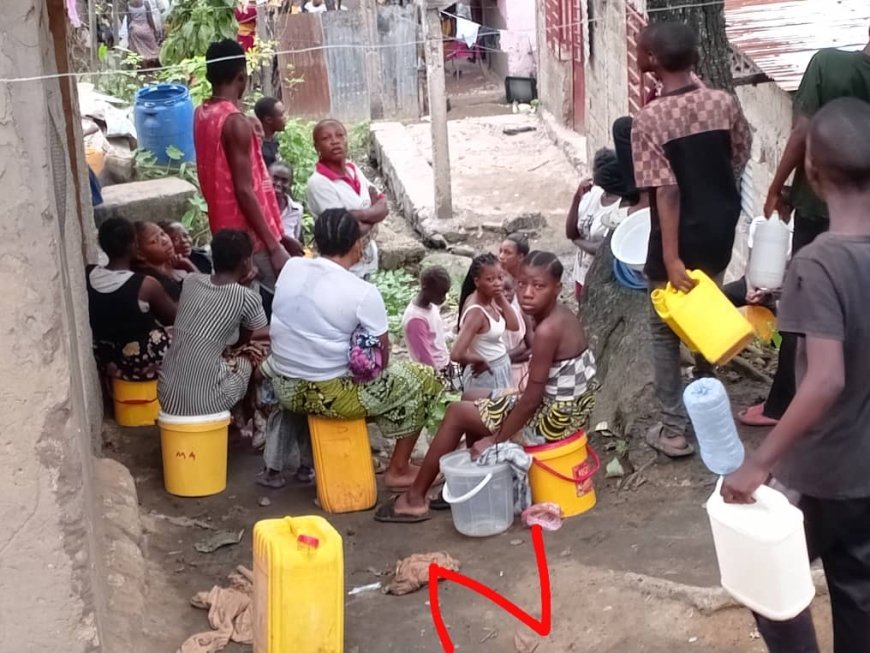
480 496
631 239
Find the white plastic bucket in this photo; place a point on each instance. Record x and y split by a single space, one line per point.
480 496
762 553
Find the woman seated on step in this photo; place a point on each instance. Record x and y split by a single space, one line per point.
221 336
557 401
128 311
319 308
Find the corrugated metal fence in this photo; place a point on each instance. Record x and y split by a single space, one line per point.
330 77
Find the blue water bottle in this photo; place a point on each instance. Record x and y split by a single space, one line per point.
710 411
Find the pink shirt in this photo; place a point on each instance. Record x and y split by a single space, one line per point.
424 335
216 179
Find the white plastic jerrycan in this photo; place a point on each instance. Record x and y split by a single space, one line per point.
770 248
762 553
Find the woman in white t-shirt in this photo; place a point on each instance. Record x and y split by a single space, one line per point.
596 203
319 304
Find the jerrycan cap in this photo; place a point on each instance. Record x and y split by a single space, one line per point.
308 540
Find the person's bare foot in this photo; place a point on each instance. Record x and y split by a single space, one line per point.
405 507
403 479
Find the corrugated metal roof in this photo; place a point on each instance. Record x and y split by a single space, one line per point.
780 36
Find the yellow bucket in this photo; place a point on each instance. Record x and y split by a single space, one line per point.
194 453
561 473
135 402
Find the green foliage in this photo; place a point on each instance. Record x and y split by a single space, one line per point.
195 217
120 78
193 25
358 139
398 288
297 148
436 415
191 73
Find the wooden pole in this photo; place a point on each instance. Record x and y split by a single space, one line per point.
373 59
434 50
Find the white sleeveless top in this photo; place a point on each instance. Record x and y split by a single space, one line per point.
488 346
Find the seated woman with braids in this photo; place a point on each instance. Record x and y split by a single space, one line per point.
322 318
557 401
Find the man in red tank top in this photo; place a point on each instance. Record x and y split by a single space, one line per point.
232 175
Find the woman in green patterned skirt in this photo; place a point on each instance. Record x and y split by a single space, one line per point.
319 309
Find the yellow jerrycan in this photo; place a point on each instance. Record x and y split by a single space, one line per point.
704 319
298 586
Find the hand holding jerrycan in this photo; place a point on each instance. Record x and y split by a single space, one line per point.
704 319
761 547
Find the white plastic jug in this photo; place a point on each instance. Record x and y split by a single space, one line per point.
762 553
481 497
770 247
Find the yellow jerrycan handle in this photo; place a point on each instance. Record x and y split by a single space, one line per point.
659 295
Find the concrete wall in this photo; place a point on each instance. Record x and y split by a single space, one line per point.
606 73
554 74
768 109
50 598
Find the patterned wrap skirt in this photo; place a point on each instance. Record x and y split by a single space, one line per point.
399 401
554 420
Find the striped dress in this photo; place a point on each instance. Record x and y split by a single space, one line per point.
196 379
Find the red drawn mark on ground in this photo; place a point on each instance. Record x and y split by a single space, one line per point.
541 626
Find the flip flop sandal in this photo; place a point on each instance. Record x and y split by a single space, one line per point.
386 512
275 482
754 416
438 502
654 440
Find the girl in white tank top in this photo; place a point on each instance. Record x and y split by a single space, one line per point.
484 316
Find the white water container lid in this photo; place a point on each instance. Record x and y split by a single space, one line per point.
166 418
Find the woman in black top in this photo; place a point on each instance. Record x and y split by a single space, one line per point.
124 307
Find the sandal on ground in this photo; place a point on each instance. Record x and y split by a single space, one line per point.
275 482
656 441
386 512
304 474
754 416
437 502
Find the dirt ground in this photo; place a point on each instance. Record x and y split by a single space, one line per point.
659 530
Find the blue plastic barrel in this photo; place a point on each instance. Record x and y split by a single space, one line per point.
163 114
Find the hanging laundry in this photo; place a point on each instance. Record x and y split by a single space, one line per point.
467 30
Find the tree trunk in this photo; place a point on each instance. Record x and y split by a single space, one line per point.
709 23
617 319
617 325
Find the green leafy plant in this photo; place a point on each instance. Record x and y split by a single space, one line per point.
195 217
119 75
398 288
191 73
297 149
193 25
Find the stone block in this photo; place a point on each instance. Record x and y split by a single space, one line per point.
153 200
528 222
456 266
398 250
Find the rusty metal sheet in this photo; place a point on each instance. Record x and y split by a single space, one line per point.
307 95
781 36
344 35
397 34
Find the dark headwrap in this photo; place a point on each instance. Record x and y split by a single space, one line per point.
607 173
